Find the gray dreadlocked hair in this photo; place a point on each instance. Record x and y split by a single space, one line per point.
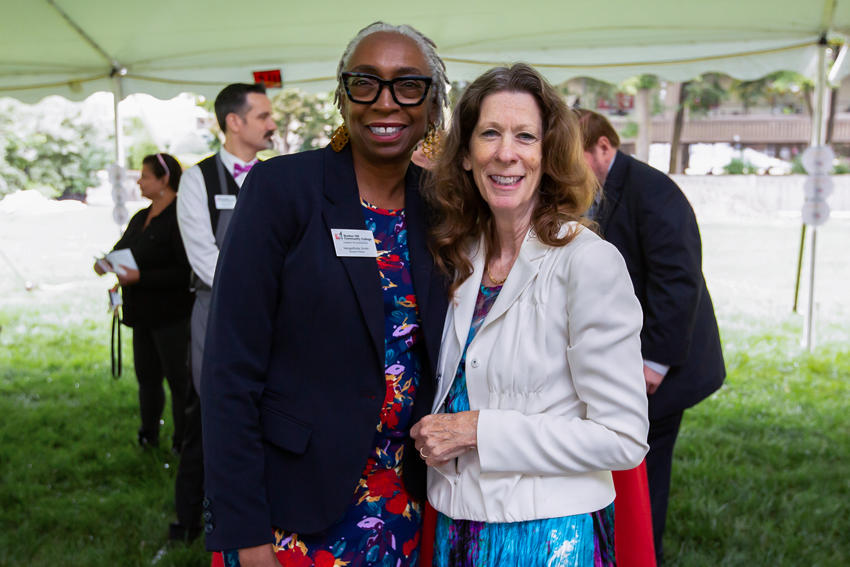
440 81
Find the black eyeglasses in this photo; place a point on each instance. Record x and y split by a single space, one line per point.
362 88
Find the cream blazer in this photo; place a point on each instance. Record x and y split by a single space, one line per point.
556 373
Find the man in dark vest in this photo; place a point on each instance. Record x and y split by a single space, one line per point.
208 193
650 221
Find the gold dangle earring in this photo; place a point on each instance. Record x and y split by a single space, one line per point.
431 144
339 138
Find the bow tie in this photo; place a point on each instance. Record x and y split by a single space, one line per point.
240 169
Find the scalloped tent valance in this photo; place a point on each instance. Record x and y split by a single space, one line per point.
72 47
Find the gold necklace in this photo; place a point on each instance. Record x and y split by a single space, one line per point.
494 280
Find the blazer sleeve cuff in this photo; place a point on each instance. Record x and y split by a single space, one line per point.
657 367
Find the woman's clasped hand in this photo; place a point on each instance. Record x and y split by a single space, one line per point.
442 437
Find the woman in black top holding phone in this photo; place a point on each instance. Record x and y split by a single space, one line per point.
157 299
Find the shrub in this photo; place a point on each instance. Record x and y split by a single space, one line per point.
739 166
630 130
840 167
797 165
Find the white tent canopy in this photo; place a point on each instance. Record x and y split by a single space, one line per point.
164 47
74 48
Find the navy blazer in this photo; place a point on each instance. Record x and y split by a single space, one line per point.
293 375
650 221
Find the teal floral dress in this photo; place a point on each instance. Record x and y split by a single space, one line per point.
583 540
382 524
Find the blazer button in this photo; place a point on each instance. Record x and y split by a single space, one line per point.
208 528
439 377
207 516
475 363
206 502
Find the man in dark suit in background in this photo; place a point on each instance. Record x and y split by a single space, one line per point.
650 221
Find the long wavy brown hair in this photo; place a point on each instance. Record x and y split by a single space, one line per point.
567 186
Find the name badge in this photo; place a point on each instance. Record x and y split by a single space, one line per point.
225 202
356 243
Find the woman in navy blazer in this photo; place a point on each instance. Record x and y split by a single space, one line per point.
317 362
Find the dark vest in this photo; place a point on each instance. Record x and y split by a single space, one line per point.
218 181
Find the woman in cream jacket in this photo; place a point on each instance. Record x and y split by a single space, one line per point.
540 384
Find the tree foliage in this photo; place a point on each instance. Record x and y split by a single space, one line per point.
304 120
594 92
640 82
457 88
781 89
138 151
208 104
703 94
785 83
138 142
60 149
749 92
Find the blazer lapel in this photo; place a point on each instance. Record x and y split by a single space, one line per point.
417 239
467 294
340 188
522 273
614 188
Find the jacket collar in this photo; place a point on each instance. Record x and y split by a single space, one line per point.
522 273
416 219
614 188
340 181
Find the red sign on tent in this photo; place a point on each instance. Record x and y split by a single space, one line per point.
271 79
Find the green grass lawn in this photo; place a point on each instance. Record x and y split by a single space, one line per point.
762 471
762 468
75 488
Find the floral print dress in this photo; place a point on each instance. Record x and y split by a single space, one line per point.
583 540
382 524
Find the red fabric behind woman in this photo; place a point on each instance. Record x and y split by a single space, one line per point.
429 527
633 519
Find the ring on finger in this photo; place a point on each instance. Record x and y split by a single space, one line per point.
422 454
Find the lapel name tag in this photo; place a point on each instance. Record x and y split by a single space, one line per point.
354 243
225 202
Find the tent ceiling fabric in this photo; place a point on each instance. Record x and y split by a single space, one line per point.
171 46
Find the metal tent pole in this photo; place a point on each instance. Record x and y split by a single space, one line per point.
117 95
818 139
799 268
117 170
